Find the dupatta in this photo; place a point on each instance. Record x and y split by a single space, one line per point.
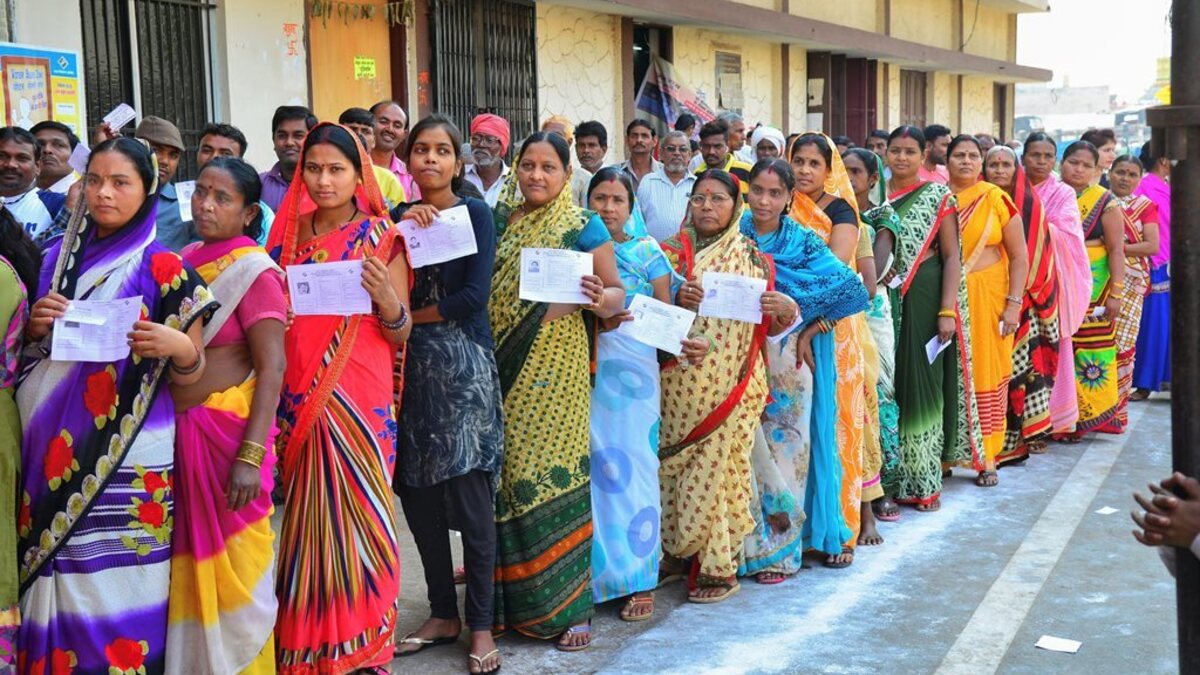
1041 285
1093 202
983 209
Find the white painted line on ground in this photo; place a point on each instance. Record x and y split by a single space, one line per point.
986 638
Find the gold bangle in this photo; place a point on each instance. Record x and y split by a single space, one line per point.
947 314
252 453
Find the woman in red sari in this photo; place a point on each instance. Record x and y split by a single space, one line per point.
338 576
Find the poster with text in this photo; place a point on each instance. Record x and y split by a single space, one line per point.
38 84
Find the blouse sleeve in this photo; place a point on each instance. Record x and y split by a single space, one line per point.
864 245
472 297
263 300
1150 214
593 236
840 212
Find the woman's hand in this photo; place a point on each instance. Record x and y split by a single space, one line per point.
102 133
378 282
245 484
804 351
151 340
613 322
779 307
1112 307
947 326
593 288
422 214
45 311
1010 319
690 295
694 350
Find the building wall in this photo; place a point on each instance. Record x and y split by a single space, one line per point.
861 14
991 34
52 23
265 38
579 69
929 22
334 46
798 96
942 94
978 101
695 63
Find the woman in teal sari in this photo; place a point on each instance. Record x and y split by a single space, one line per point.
800 420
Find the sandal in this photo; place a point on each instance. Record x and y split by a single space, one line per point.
668 574
635 602
887 511
987 479
770 578
835 565
480 660
423 644
1036 447
575 630
929 507
730 585
1139 395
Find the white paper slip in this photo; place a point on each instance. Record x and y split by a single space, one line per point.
935 347
95 331
330 289
184 192
1057 644
658 324
896 282
79 158
554 275
450 237
1106 510
1098 312
730 296
119 117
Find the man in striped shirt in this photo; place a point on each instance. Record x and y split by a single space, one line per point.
662 196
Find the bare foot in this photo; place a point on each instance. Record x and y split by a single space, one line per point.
441 630
868 535
483 647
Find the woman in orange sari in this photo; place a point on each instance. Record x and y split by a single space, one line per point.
338 576
995 263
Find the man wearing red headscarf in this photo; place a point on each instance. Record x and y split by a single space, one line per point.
489 144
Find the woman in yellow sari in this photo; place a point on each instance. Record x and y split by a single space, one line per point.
996 263
1095 342
544 504
824 202
711 411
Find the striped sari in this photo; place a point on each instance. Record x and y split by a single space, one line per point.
1136 211
222 607
544 505
338 577
983 211
1095 342
98 455
1035 344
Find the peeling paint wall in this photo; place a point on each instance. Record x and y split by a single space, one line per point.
798 96
942 94
977 108
695 63
579 69
257 41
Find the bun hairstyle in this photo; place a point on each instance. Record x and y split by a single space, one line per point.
865 156
908 131
248 184
1040 137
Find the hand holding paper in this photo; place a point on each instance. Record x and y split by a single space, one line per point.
328 289
730 296
658 324
554 275
95 331
450 236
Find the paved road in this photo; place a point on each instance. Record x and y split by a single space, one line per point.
969 589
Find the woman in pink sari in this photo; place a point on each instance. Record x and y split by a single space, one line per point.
222 603
1074 270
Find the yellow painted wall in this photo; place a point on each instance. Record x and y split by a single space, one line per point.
798 96
859 14
695 64
254 36
978 100
579 64
991 32
929 22
940 108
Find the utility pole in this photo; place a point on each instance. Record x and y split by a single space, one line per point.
1176 136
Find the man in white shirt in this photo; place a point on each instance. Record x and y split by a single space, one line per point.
662 196
20 156
640 138
490 137
58 142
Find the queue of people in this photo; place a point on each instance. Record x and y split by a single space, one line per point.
932 301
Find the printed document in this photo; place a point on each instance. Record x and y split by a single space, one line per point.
328 289
658 324
730 296
554 275
449 237
96 331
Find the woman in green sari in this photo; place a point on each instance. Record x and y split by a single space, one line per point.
543 506
938 423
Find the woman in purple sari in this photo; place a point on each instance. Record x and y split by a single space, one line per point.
94 519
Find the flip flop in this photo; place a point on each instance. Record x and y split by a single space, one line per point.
774 578
887 516
635 602
582 628
423 643
840 565
981 479
730 590
480 660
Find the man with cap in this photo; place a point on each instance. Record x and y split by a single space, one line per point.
489 144
167 143
581 178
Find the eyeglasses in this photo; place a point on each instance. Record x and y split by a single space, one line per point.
717 200
481 140
677 148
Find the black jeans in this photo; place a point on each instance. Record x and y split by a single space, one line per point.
465 501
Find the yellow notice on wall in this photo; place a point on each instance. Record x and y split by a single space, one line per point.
364 68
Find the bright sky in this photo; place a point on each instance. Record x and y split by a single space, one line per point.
1094 42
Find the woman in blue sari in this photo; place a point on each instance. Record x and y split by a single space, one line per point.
800 421
625 413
